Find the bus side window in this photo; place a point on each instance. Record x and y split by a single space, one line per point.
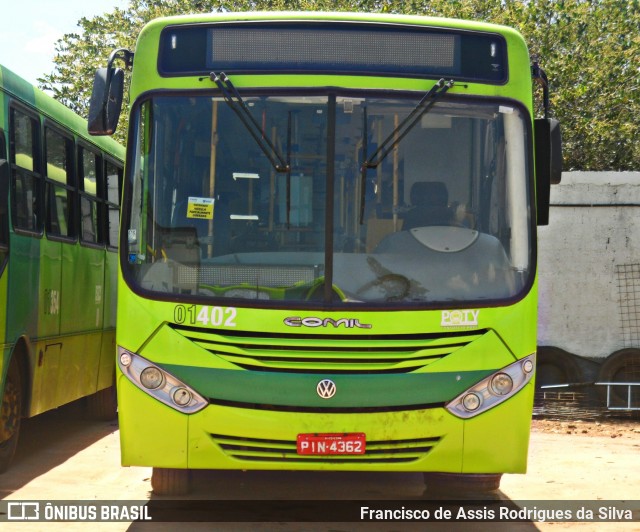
58 183
89 188
26 180
113 183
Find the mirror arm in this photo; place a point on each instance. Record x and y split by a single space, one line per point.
540 77
126 56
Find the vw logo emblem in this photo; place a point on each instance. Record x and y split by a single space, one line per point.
326 388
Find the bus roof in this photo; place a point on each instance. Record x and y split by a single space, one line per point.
334 16
150 70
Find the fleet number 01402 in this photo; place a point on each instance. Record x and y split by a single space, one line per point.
214 316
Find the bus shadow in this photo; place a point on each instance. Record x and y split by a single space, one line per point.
50 439
282 500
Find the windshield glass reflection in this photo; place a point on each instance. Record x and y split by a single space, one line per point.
444 216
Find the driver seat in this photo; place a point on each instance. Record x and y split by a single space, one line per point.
430 201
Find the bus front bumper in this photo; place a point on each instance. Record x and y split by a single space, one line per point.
229 437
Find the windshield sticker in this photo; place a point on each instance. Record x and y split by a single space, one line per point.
459 318
244 175
200 208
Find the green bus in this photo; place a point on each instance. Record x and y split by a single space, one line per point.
59 220
328 246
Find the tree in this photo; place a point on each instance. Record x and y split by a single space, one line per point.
589 48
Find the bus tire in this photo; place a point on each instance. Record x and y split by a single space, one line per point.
167 481
556 366
621 366
103 405
10 415
456 485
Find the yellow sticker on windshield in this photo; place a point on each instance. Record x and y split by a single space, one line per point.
200 208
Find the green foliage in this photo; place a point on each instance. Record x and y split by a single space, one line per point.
590 50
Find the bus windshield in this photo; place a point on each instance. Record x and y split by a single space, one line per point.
444 216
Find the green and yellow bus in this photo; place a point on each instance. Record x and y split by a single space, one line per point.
328 249
59 220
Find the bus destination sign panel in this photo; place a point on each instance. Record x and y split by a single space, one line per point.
332 48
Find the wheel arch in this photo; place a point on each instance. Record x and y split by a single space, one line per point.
20 352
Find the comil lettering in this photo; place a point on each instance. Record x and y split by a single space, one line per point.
347 323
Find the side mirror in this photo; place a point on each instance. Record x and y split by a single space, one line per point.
106 101
548 159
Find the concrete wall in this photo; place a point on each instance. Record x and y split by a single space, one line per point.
589 264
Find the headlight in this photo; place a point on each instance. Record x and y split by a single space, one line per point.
151 378
493 390
501 384
159 383
471 402
181 396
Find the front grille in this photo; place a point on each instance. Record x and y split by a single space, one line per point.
323 410
377 452
328 353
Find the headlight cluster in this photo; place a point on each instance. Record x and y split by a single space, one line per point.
493 389
158 383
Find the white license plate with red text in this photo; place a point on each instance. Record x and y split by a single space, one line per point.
330 443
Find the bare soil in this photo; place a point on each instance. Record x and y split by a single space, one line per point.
63 457
628 429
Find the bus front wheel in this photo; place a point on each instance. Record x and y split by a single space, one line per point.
166 481
10 415
103 405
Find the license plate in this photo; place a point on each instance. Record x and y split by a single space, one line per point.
319 444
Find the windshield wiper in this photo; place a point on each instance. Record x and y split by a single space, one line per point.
238 105
394 138
398 133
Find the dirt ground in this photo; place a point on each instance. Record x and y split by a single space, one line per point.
580 460
613 429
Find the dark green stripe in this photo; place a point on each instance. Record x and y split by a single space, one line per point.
296 389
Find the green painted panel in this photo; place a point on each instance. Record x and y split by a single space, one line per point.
49 292
22 300
296 389
79 365
82 291
46 368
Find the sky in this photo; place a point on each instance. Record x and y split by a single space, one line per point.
30 29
